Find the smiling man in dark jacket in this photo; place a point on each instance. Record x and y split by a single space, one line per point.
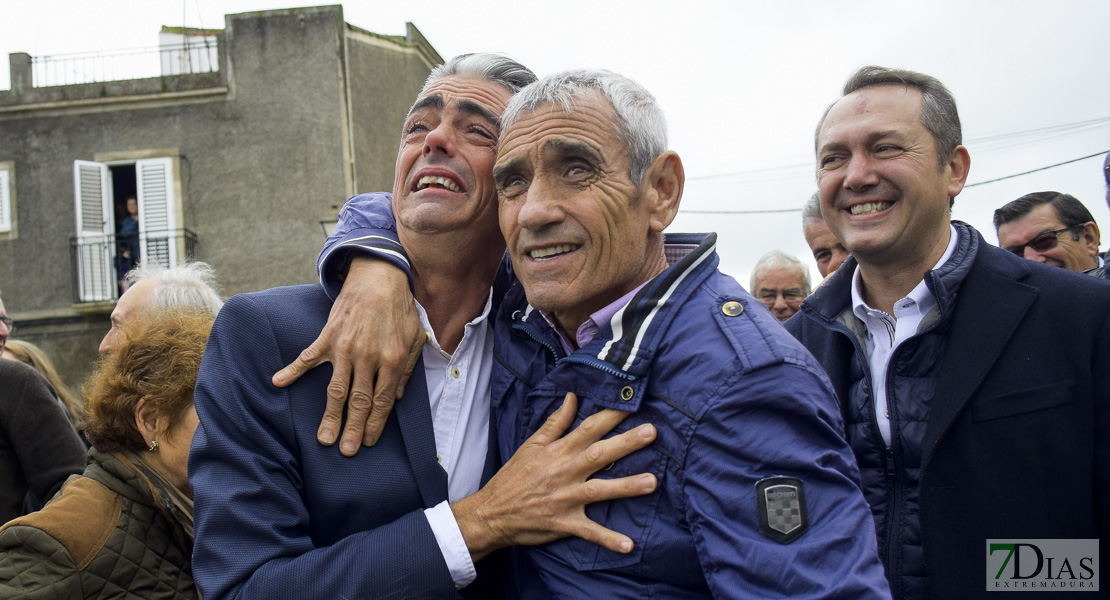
974 384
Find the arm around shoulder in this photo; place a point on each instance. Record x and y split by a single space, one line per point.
366 227
256 534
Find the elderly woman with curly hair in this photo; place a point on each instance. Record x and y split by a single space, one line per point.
124 528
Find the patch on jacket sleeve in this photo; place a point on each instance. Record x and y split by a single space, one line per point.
782 508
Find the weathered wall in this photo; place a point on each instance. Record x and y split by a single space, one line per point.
384 80
263 145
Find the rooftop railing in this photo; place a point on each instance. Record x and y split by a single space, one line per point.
117 65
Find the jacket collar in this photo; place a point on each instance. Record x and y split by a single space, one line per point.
834 297
626 344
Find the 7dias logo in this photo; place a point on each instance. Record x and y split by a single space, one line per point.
1042 565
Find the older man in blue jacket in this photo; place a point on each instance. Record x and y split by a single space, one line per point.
758 492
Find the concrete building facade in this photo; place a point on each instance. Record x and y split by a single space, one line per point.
236 166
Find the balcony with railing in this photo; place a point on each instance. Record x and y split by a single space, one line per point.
188 64
118 65
100 261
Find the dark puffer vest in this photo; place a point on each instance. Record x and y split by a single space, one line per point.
891 475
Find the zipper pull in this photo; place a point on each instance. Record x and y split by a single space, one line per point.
890 460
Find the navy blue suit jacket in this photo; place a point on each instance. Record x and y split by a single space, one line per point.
278 515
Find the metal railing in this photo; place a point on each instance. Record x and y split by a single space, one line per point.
118 65
99 262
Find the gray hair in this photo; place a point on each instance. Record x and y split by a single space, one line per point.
484 65
776 260
811 211
640 123
938 106
188 286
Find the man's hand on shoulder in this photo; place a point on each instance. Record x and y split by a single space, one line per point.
372 339
540 495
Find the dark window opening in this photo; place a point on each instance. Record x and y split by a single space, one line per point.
126 205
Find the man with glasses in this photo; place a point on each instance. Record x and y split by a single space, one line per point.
781 282
1051 228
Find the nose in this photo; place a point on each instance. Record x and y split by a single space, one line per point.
539 207
858 174
780 304
105 344
440 139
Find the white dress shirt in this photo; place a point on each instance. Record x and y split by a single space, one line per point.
458 388
885 332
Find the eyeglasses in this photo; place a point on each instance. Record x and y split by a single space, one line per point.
1043 242
792 296
9 324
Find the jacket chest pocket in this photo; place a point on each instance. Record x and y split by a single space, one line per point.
1023 401
633 517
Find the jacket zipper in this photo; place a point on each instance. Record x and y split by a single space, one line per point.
889 462
583 360
894 482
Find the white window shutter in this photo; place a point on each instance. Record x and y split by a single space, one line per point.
158 235
95 226
5 202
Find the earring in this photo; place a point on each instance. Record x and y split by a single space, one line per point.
153 445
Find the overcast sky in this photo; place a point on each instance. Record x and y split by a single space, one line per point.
742 83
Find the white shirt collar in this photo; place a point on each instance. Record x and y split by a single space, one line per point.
919 301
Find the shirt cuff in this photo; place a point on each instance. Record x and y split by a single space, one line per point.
451 543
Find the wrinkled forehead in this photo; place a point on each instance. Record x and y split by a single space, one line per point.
474 94
588 119
780 278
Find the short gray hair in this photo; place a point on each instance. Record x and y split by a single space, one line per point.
776 260
484 65
640 123
811 212
190 286
938 106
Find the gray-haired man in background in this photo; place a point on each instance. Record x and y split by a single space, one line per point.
191 285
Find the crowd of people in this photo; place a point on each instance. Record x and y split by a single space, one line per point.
537 393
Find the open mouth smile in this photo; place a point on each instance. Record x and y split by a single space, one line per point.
439 181
552 251
868 208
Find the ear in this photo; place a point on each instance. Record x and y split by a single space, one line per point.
1091 237
663 182
958 165
147 420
